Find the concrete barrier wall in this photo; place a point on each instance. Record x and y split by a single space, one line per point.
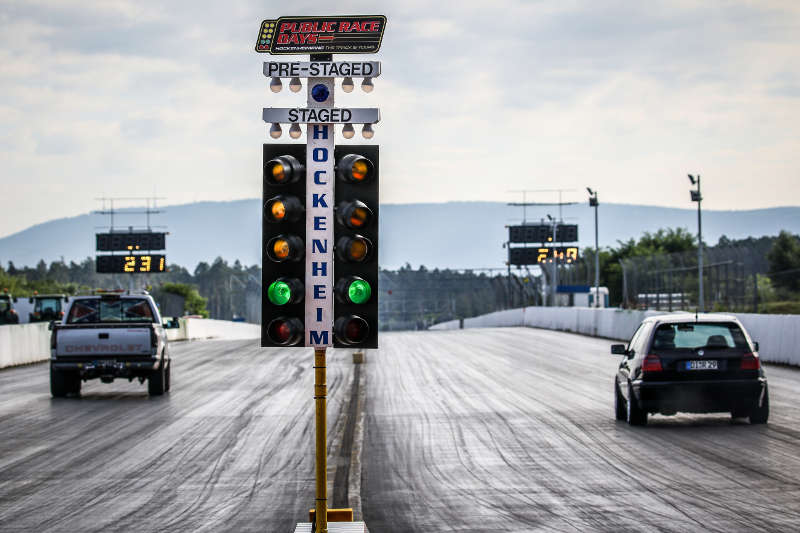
204 328
30 343
24 343
777 335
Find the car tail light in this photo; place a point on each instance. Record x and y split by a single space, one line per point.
61 314
12 311
750 361
651 363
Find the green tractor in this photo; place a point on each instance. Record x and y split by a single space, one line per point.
8 315
47 307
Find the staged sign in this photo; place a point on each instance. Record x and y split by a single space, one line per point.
358 34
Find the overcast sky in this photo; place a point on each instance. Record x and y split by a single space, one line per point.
128 98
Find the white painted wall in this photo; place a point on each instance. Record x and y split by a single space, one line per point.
30 343
778 335
21 344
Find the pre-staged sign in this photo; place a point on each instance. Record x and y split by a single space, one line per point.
357 34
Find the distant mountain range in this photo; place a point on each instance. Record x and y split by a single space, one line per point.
448 235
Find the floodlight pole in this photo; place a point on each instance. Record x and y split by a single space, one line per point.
698 197
594 203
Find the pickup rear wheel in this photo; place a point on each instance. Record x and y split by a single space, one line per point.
63 383
58 385
155 383
166 377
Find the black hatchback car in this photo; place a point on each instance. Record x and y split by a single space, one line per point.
701 363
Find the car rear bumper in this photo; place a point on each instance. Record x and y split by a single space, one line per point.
698 396
110 367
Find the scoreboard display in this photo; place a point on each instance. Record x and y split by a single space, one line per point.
121 242
541 233
541 255
131 264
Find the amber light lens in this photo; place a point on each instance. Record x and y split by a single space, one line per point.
278 210
358 250
281 248
278 172
360 170
359 217
285 248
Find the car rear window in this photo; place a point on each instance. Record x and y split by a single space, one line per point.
90 310
699 335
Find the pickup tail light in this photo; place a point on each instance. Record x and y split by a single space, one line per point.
651 363
750 361
53 339
153 338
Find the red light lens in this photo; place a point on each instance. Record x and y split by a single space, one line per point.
750 362
283 331
651 363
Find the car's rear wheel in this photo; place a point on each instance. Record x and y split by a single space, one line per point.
619 403
166 377
634 414
760 413
155 383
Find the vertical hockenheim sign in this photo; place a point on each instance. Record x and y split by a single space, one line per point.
319 223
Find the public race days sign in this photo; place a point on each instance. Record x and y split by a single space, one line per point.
358 34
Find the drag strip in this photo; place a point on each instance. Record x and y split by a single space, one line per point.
230 448
513 430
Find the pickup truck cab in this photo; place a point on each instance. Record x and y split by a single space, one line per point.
109 335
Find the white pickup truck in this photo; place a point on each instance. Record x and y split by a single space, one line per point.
107 336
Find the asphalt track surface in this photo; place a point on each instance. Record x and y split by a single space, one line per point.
229 448
475 430
513 430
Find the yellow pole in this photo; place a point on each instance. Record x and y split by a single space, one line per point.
320 395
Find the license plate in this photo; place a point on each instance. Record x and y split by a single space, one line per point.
702 365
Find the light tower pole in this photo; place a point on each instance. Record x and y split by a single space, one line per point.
697 197
593 203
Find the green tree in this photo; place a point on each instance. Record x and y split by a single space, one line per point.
193 302
784 262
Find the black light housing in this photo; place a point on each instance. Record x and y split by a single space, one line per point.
283 208
351 329
283 170
283 248
354 168
355 249
285 331
354 214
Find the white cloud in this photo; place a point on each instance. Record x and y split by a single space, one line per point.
477 99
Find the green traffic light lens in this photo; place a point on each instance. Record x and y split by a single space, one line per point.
359 291
279 292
